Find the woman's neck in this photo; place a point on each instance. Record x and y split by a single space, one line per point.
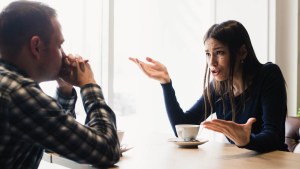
238 86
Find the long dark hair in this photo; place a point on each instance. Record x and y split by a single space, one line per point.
234 35
21 20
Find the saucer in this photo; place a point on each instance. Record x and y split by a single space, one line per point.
188 144
125 148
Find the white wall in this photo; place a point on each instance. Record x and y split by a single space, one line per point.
287 48
273 28
254 15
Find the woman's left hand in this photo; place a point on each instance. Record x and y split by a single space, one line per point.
238 133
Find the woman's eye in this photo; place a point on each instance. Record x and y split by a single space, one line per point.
207 54
220 52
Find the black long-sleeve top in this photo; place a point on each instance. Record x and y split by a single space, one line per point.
266 101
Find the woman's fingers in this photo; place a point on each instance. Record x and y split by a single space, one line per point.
153 69
221 126
143 66
150 60
251 121
238 133
133 59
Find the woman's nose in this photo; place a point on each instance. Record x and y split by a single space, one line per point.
212 61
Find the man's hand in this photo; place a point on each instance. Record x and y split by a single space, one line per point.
76 71
64 87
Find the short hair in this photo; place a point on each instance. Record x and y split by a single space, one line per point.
21 20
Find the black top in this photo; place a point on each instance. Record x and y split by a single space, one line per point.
265 101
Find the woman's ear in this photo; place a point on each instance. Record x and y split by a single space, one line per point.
35 46
243 52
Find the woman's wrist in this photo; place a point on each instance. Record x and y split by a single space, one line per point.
165 79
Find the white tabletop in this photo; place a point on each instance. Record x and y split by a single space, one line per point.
47 165
154 151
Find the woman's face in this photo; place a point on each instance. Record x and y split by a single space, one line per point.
217 58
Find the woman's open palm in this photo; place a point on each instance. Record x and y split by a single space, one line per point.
238 133
153 69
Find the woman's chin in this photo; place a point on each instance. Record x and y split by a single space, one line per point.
220 79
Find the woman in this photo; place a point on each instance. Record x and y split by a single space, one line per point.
249 98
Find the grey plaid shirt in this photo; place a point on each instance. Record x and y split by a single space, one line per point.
31 121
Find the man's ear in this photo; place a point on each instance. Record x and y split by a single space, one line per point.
35 46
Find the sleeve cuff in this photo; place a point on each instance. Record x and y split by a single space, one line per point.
249 144
61 95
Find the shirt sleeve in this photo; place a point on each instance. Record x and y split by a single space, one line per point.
195 115
274 108
42 121
67 102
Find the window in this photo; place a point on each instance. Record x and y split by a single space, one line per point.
83 35
84 26
171 31
107 32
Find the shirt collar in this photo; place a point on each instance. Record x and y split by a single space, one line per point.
12 67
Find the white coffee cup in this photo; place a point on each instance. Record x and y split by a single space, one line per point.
120 134
187 132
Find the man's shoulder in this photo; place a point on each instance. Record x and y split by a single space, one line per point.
12 79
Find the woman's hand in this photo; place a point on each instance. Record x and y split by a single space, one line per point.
238 133
155 70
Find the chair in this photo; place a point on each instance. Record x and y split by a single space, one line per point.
292 133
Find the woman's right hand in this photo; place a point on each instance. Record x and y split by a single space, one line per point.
153 69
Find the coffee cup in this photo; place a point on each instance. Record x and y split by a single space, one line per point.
187 132
120 134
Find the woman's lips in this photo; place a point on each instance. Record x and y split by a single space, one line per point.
215 72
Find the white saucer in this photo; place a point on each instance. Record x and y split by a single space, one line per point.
125 148
188 144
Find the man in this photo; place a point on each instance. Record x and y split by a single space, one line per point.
30 120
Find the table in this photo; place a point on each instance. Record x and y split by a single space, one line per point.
52 161
154 151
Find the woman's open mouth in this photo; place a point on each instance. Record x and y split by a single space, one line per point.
215 72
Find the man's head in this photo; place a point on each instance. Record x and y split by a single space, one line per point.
31 38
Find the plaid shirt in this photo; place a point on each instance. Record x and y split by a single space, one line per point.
31 121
